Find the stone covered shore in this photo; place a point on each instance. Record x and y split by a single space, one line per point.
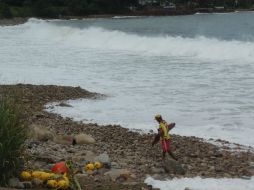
127 149
12 21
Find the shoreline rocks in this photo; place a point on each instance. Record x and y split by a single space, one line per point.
12 21
126 150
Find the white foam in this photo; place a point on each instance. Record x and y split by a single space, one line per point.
196 49
198 183
130 116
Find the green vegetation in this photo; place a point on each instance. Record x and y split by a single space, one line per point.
61 8
5 11
12 138
58 8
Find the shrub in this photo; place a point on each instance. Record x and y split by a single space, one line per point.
12 138
5 11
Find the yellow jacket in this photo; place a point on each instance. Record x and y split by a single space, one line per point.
163 127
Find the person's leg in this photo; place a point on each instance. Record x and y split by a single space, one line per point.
168 149
163 155
164 150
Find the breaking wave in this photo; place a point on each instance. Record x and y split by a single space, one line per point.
199 48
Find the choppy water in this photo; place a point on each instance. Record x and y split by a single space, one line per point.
195 70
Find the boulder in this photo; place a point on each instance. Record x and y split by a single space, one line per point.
84 139
63 139
15 183
172 166
116 174
40 133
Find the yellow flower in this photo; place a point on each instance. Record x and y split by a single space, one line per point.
62 184
37 174
89 167
26 175
45 176
52 183
66 179
98 165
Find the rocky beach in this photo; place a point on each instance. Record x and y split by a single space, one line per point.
130 156
12 21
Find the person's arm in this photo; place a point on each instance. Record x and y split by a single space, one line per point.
157 137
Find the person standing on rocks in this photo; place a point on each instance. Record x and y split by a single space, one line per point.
163 135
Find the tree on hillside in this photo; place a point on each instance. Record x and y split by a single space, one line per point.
78 7
5 11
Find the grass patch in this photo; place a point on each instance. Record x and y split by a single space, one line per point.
12 138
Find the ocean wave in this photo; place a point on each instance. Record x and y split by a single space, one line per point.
199 48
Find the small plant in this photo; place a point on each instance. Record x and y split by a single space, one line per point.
12 138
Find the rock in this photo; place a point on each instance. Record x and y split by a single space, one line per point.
211 169
156 176
119 174
84 139
27 184
172 166
115 165
251 168
39 115
63 139
131 183
226 175
71 150
157 170
246 177
37 182
103 158
15 183
121 179
62 104
40 133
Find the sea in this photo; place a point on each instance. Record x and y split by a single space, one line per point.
195 70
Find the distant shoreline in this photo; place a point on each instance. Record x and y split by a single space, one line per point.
22 20
13 21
